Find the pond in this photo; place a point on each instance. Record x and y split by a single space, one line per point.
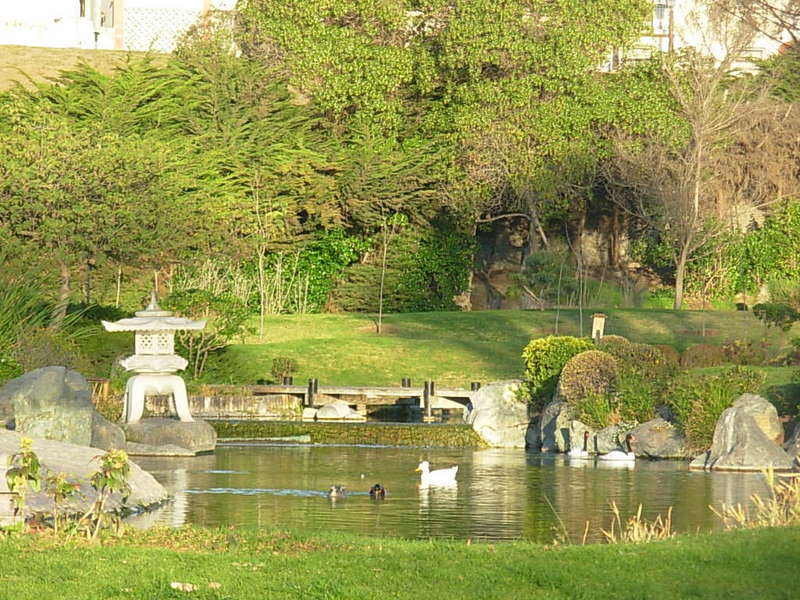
501 494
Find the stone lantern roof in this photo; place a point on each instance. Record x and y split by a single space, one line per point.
155 339
153 318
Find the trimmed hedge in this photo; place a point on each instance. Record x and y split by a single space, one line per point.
429 436
544 358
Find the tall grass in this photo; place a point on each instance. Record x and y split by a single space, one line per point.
636 529
781 508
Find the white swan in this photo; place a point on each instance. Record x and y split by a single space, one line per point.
619 455
437 477
580 453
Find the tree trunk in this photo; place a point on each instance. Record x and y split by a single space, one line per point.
680 273
60 309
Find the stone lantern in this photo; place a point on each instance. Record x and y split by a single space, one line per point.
154 361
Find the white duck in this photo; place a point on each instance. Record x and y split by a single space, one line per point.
437 477
619 455
580 453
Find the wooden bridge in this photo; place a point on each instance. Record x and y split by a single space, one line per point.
428 397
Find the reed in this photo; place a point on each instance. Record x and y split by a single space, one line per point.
636 529
780 509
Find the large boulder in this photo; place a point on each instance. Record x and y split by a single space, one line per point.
658 438
79 463
105 434
740 444
764 414
576 431
52 403
196 436
498 415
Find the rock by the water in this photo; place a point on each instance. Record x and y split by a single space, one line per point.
498 415
105 434
764 413
658 438
533 435
338 410
79 463
136 449
554 425
741 445
309 414
792 445
53 403
576 431
196 436
609 439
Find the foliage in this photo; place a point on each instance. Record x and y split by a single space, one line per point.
225 318
23 473
702 355
671 355
59 488
776 315
590 372
698 400
547 277
745 352
110 478
43 346
544 358
283 366
597 410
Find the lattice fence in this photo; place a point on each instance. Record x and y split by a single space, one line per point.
156 28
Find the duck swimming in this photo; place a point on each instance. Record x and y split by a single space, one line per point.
377 491
437 477
337 492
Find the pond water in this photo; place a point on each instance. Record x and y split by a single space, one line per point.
501 494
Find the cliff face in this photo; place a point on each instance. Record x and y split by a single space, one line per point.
504 244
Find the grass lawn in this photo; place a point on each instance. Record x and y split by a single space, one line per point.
759 564
454 348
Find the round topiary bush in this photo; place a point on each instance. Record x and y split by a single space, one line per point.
544 358
671 355
702 355
592 372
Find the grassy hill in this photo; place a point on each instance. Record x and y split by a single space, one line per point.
23 64
454 348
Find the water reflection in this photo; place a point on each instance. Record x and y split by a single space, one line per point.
501 494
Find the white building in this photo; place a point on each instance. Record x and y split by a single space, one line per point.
679 24
101 24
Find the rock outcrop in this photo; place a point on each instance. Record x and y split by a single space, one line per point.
658 438
740 444
498 416
195 436
79 463
792 445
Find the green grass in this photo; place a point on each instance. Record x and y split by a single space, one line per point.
758 564
454 348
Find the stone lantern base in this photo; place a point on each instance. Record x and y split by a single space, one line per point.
195 436
154 383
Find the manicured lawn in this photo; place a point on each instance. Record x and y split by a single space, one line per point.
758 564
454 348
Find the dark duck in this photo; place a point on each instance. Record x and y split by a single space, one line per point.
377 491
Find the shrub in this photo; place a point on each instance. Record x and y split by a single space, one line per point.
613 344
637 396
43 346
777 315
702 355
283 366
590 372
597 410
698 400
671 355
744 352
544 358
